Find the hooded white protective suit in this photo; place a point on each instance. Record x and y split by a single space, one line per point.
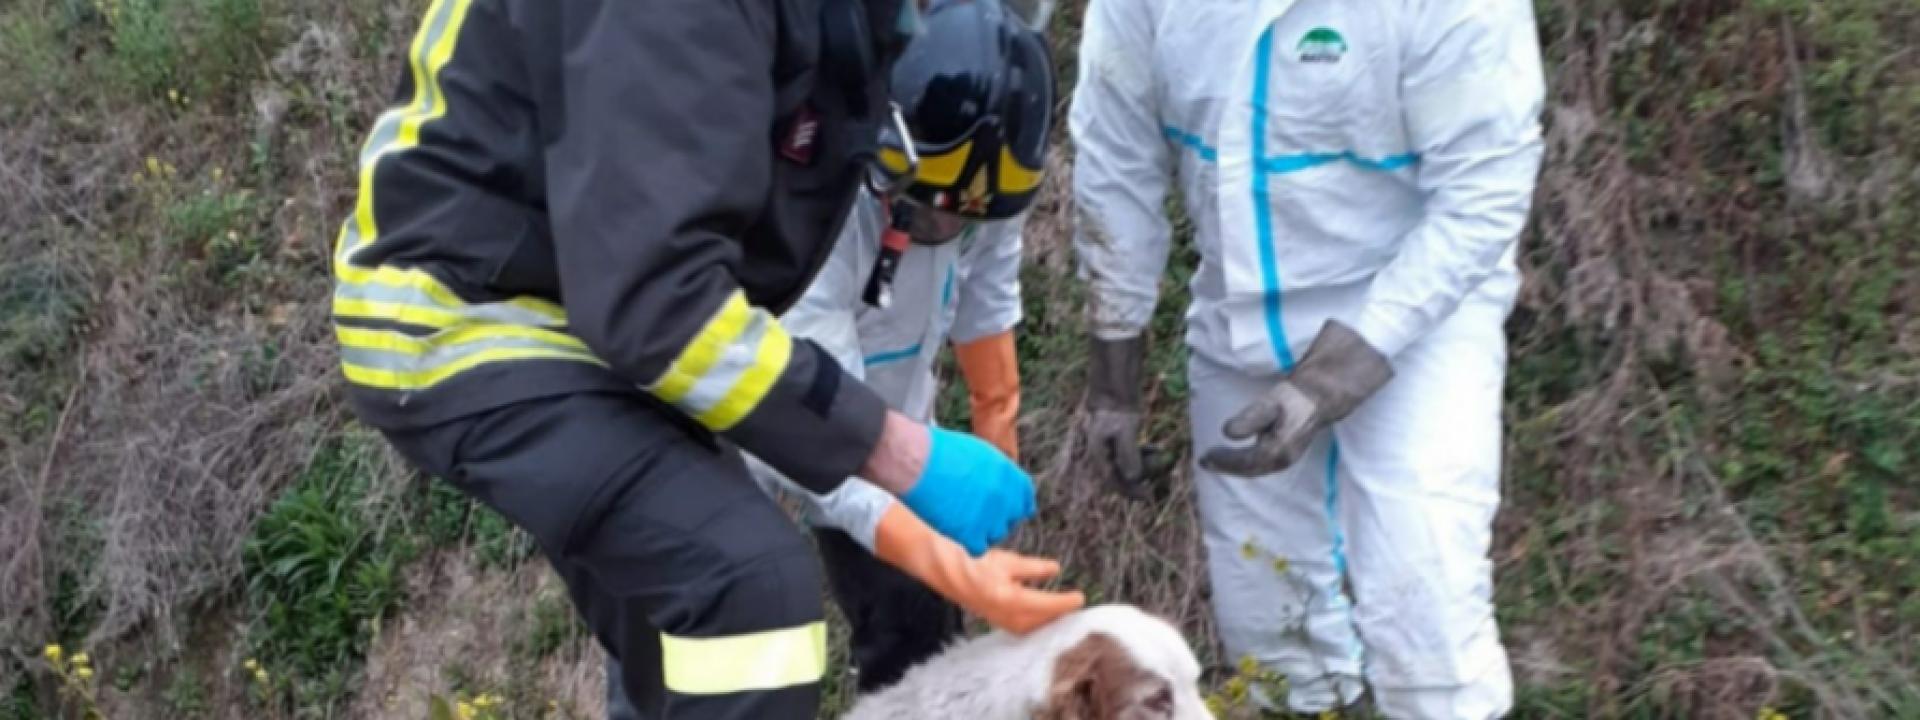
956 292
1371 161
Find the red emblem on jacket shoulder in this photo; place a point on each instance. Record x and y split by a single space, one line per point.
802 132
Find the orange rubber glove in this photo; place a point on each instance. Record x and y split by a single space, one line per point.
993 384
992 586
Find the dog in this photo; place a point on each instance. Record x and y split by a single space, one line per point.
1108 662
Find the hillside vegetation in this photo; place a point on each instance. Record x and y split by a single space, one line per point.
1713 409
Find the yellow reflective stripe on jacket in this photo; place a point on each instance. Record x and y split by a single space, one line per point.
451 340
724 373
393 360
744 663
389 379
398 129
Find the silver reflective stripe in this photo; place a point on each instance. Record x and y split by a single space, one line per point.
494 312
426 92
440 356
726 372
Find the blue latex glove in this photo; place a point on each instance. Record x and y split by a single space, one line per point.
969 491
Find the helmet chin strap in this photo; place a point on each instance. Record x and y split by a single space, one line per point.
893 244
898 211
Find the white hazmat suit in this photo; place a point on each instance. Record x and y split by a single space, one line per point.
1365 161
955 292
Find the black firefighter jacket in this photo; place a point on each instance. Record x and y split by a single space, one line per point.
590 195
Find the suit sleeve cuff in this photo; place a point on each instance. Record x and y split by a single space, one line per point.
1386 331
818 426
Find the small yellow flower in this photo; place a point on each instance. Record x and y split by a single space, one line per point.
217 173
85 673
463 710
53 653
153 166
1248 665
173 94
260 676
81 660
251 664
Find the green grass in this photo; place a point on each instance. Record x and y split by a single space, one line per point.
186 694
551 624
1805 445
19 702
323 570
43 303
453 519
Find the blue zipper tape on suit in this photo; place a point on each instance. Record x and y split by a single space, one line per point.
892 356
1270 274
1284 164
1262 208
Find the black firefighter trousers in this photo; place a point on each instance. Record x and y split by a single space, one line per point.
705 595
699 586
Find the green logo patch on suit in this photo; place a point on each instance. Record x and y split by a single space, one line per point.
1322 45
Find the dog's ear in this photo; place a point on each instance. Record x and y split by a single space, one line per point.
1097 679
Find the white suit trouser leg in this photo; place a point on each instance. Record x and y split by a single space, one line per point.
1275 560
1422 459
1402 494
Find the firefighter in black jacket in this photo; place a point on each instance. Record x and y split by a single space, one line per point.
556 290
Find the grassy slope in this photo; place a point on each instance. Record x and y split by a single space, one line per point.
1713 407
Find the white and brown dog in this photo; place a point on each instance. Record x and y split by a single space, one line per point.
1111 662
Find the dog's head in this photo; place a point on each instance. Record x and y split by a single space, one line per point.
1127 665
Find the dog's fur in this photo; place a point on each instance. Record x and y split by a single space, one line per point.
1111 662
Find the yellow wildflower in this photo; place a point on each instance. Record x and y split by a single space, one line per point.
251 664
81 660
85 673
53 653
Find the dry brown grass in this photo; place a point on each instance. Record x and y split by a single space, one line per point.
186 400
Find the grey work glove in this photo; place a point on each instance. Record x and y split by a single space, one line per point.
1112 427
1340 371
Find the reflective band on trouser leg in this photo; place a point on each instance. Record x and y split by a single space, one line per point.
727 369
767 660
